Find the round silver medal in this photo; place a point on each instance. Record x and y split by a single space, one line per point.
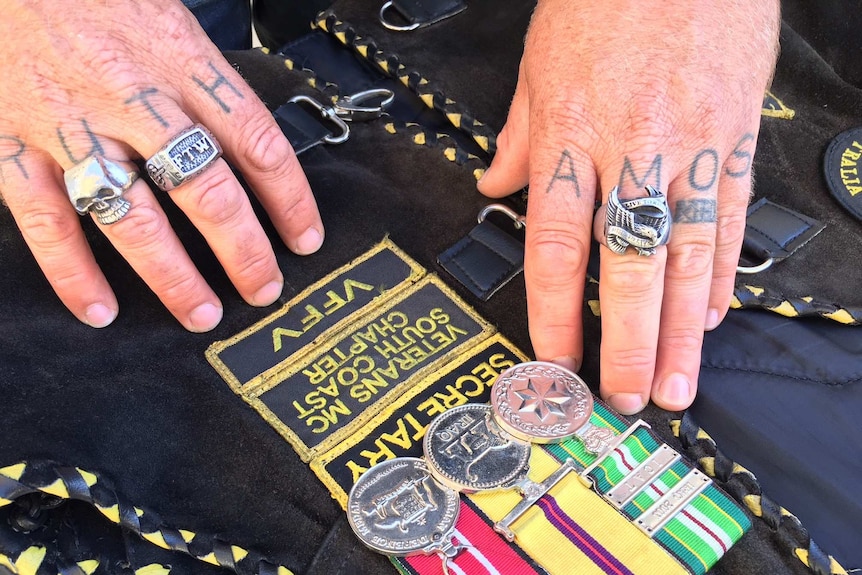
466 451
540 402
398 509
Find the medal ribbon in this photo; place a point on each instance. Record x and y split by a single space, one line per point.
572 529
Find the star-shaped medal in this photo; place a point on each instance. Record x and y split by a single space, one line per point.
545 398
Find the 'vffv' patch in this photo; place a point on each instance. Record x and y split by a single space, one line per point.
841 166
348 347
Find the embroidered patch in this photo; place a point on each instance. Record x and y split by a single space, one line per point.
317 378
841 167
775 108
253 355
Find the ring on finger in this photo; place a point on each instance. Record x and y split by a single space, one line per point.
639 223
184 157
97 184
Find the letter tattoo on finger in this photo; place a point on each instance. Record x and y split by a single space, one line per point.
565 172
14 157
739 163
629 171
95 147
703 172
144 97
212 89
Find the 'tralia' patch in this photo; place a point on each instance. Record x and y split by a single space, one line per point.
841 167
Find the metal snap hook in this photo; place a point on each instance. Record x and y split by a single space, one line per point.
390 25
519 220
327 112
352 108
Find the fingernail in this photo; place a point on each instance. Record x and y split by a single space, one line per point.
204 317
568 362
674 392
267 294
711 319
309 242
99 315
627 403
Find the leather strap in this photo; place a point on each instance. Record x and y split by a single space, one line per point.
485 260
303 130
775 232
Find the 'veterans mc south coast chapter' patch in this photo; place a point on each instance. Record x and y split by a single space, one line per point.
841 167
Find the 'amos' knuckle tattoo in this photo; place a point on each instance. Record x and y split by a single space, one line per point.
703 171
738 165
565 178
636 180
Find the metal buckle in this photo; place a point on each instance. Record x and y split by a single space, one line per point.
328 113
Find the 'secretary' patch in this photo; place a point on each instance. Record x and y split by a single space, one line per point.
841 168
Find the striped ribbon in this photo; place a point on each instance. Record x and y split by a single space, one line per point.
573 529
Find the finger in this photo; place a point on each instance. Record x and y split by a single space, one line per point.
52 230
687 279
510 168
630 291
734 190
143 236
559 223
216 204
218 97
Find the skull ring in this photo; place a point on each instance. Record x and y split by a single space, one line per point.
97 184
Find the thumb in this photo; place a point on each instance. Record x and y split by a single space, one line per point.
510 168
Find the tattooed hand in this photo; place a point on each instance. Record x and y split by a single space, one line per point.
121 79
629 94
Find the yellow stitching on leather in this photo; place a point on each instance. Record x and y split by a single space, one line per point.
154 569
478 173
341 36
802 555
209 558
90 566
483 142
238 553
595 307
14 472
187 536
708 465
112 512
779 110
419 139
758 291
454 118
7 563
841 316
30 560
58 488
428 99
450 154
156 538
786 309
362 50
390 127
89 478
735 303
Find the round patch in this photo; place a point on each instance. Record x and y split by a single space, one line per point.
842 167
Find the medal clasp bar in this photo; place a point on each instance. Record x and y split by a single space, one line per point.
532 492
